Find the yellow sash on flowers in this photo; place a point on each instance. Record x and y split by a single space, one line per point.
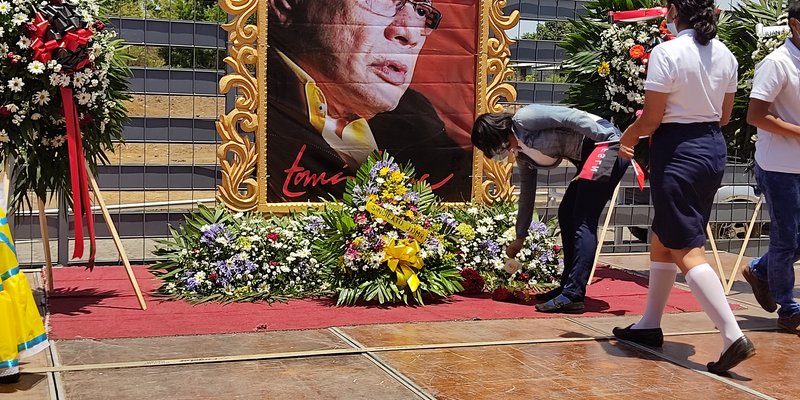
403 257
416 231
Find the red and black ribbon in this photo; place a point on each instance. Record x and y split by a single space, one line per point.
57 32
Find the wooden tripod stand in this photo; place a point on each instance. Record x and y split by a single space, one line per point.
111 227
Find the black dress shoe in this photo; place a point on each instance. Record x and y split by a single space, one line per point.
649 337
760 290
548 295
9 379
560 305
790 324
740 350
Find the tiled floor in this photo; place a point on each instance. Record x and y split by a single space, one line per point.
558 358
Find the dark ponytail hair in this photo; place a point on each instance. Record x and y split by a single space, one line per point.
700 15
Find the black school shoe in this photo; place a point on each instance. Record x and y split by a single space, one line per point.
740 350
9 379
561 304
649 337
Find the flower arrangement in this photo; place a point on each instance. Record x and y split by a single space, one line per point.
483 232
47 47
219 256
608 62
384 241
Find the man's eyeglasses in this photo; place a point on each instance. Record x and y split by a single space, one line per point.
390 8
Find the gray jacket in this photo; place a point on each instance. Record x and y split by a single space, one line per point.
557 132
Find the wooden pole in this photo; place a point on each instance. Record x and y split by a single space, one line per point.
739 258
117 241
602 237
715 252
48 259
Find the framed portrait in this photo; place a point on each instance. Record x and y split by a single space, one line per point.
322 84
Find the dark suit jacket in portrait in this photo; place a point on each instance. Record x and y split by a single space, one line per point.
302 166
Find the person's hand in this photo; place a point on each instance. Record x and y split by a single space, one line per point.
626 144
514 247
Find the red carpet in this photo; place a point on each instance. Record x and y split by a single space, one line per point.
101 304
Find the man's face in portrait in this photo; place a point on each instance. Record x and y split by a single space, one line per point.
365 50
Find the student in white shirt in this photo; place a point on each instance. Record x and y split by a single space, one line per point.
775 110
689 93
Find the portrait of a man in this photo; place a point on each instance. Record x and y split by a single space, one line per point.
340 77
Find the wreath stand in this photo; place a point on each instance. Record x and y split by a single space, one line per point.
726 283
111 228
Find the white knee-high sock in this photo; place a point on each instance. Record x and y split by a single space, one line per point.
708 291
662 278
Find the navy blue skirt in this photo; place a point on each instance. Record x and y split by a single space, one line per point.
687 162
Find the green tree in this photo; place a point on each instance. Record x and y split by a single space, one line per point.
550 30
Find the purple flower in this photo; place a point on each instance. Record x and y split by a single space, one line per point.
448 220
491 246
212 232
539 227
373 173
314 224
188 280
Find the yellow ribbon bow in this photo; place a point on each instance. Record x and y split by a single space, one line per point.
402 257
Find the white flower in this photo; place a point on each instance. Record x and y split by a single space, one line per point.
3 136
17 120
2 31
36 67
36 117
24 43
5 8
57 68
19 19
41 97
12 107
16 84
83 98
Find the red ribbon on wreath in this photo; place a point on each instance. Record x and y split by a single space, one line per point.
56 33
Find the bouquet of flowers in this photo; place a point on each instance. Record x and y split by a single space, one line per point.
482 234
48 48
384 241
608 62
219 256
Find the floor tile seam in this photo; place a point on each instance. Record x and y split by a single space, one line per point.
680 363
54 379
382 364
302 354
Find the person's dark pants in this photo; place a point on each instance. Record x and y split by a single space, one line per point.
782 193
578 216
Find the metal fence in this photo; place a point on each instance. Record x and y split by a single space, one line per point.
168 162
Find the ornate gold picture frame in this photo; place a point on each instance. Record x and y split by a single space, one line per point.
242 154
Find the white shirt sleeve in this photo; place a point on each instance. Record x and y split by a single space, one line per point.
733 85
768 80
660 72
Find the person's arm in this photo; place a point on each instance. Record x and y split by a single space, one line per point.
727 108
525 204
769 79
759 116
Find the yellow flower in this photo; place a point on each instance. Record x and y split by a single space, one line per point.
409 213
402 190
372 198
604 68
465 231
397 176
383 171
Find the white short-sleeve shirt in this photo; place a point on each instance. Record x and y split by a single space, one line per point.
777 81
695 76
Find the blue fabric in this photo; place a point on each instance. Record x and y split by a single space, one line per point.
782 193
578 216
687 162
